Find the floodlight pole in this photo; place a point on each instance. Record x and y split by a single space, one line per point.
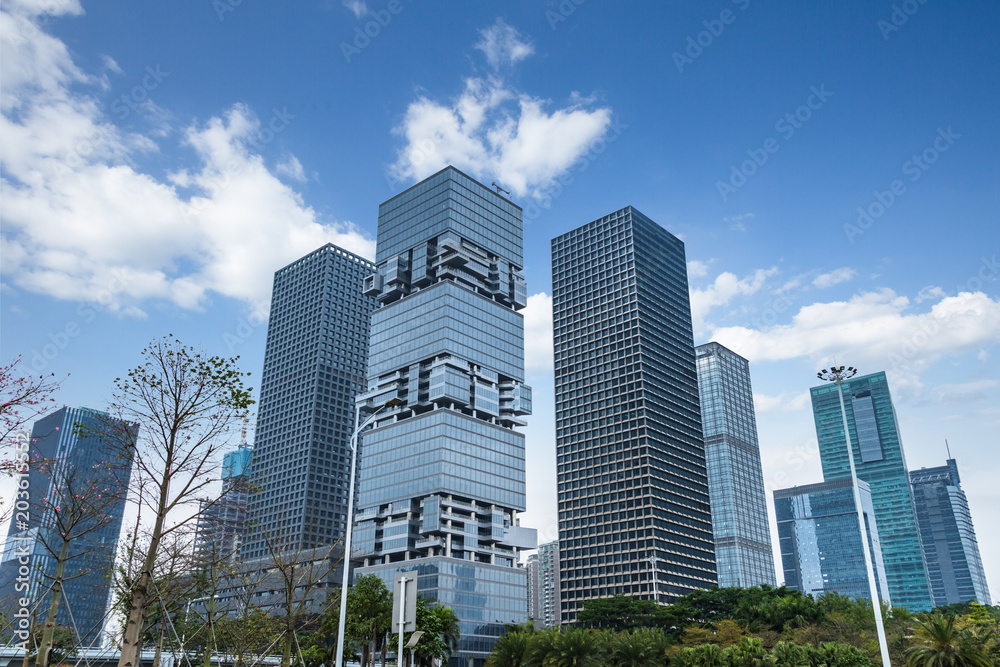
653 560
838 374
349 524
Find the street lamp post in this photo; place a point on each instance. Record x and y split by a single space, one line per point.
653 560
838 374
349 524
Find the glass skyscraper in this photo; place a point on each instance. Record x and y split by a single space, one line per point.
543 585
743 555
79 464
634 516
314 367
222 521
821 550
951 550
878 456
442 472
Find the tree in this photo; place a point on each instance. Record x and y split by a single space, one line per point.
23 399
511 649
185 403
941 643
369 616
621 612
576 647
441 634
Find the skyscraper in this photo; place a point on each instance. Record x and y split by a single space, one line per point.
543 585
314 367
821 550
743 555
72 467
634 515
442 472
879 458
954 566
222 521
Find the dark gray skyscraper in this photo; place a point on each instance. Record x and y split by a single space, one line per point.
954 567
743 555
71 464
314 367
442 472
634 515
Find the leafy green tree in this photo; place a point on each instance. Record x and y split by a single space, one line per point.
441 633
787 654
369 615
575 647
620 613
639 648
707 655
939 642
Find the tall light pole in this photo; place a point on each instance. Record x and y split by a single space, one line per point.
838 374
349 524
653 560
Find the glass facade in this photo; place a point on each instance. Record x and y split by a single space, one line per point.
222 521
543 585
879 458
70 438
954 566
442 470
314 367
821 550
631 461
743 555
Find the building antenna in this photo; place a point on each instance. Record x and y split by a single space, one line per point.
947 447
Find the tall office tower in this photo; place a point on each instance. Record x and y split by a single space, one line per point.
442 471
954 566
222 521
878 456
314 367
743 555
73 466
821 550
634 516
543 585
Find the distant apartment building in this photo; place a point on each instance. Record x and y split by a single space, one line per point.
634 514
743 556
820 540
543 585
72 462
315 361
880 461
954 566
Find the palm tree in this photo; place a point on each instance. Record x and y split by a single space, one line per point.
511 650
940 644
447 625
569 648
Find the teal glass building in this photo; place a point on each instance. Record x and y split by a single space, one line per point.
743 556
442 472
820 540
954 566
879 458
634 516
85 466
314 367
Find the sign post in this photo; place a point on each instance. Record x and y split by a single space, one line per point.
404 607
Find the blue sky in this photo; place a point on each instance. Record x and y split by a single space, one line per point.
832 168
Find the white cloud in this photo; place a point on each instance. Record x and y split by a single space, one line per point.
493 133
291 167
503 45
697 269
357 7
737 223
875 331
726 286
781 403
964 393
824 280
82 222
538 332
